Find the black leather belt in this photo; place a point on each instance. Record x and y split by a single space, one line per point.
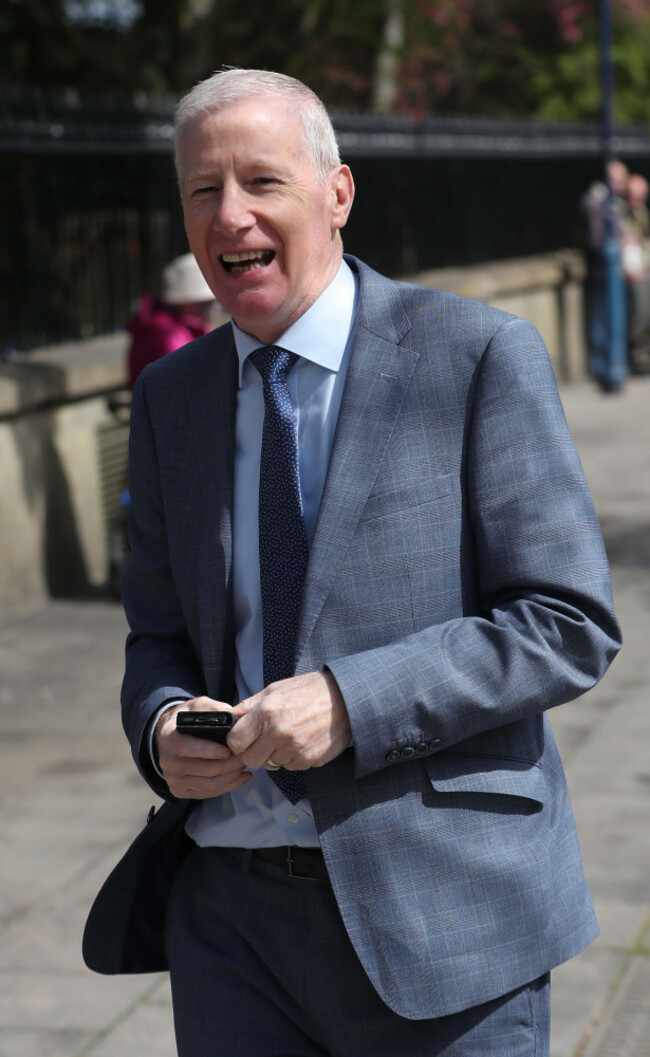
305 863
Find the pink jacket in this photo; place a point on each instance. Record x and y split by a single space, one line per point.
157 329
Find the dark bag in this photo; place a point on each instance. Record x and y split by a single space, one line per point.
125 930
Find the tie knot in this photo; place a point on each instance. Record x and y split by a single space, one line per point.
273 363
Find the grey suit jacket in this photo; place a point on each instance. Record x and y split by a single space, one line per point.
457 589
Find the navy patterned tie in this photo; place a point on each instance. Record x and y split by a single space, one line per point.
283 542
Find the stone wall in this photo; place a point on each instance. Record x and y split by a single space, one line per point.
547 290
55 428
53 406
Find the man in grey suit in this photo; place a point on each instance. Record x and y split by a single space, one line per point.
359 524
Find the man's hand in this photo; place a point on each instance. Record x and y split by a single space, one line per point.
298 723
195 769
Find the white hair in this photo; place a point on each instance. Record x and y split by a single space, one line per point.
230 85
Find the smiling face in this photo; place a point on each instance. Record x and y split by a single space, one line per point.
263 227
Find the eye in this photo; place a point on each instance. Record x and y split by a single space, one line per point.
263 181
200 192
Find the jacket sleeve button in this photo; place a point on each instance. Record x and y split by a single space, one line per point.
407 752
437 743
393 756
422 749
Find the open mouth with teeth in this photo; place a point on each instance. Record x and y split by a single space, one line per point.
247 262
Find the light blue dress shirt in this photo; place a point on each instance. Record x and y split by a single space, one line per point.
258 815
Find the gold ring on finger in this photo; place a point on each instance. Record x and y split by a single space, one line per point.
272 765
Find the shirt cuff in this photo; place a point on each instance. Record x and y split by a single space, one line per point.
153 723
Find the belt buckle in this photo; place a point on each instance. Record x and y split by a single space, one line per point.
290 867
289 859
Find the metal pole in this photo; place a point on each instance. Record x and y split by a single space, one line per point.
612 372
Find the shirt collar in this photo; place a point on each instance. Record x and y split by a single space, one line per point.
321 334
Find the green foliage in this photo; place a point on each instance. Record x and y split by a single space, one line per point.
492 57
633 77
541 60
567 85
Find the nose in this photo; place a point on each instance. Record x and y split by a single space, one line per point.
234 214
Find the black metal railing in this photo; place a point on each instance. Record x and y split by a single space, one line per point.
89 210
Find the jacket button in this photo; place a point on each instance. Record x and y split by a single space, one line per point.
437 743
393 756
407 752
422 749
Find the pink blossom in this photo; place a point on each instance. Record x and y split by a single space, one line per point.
635 9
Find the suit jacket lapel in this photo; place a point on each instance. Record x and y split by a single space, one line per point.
379 373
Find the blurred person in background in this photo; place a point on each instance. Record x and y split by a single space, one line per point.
594 201
594 206
185 309
635 228
635 250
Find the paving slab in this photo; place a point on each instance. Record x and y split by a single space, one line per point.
580 989
604 737
46 936
27 1042
625 1028
64 1001
71 801
148 1029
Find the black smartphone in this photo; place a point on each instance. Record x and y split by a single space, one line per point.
215 726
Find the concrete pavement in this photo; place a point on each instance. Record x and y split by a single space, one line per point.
604 738
71 798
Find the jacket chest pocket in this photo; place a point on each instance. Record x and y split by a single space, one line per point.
401 498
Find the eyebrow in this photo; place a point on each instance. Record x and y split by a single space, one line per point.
200 174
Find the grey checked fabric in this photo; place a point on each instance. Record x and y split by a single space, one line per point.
283 542
457 588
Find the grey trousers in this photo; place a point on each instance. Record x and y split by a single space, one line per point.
261 966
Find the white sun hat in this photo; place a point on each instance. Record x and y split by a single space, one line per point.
183 283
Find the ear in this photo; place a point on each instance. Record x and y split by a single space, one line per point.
343 190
